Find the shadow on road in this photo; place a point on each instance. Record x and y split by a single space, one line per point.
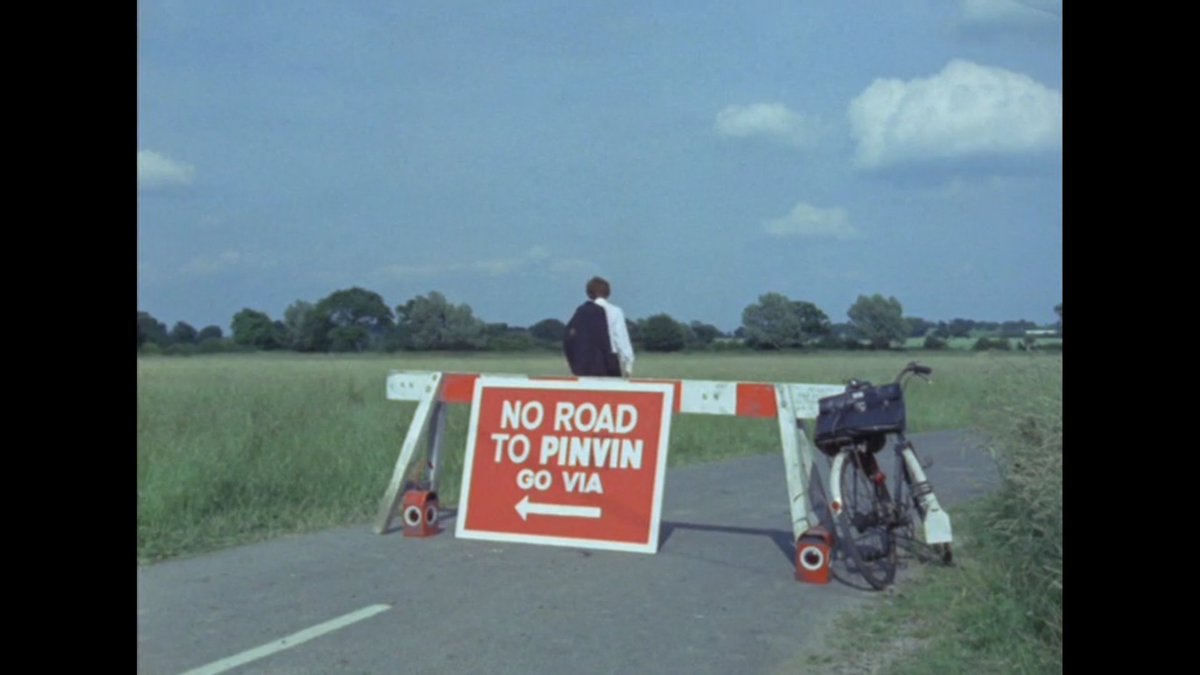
782 539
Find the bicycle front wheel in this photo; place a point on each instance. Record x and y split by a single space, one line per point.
865 520
914 519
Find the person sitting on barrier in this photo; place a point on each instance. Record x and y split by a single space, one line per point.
596 342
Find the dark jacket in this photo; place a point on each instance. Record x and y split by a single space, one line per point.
587 345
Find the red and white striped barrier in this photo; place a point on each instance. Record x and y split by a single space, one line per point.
706 397
786 402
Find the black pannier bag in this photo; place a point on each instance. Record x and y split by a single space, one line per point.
863 412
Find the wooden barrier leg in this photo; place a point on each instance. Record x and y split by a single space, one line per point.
818 496
420 422
437 434
797 463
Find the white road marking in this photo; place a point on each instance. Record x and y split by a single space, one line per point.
287 642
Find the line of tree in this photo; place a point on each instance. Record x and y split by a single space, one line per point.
151 331
358 320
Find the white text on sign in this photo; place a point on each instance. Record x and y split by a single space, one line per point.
574 450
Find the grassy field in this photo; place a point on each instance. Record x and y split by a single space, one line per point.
237 448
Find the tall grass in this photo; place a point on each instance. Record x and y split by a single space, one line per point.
234 448
1024 420
231 450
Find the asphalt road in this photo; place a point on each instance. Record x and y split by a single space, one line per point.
718 597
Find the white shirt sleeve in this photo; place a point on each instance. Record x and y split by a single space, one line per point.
618 334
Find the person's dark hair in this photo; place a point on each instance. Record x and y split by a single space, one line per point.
597 287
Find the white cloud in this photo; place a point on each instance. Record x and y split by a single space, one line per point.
203 266
770 120
537 257
155 171
415 271
573 266
967 110
1011 12
805 220
497 267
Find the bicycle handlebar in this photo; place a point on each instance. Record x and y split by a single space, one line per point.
916 369
912 367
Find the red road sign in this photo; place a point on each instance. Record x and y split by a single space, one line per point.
567 463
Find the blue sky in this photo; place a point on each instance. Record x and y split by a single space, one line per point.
697 154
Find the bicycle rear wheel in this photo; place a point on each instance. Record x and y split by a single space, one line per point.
865 520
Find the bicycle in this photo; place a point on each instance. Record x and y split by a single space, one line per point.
852 428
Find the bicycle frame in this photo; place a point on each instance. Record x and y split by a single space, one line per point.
935 521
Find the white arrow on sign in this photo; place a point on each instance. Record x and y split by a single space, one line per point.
526 507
